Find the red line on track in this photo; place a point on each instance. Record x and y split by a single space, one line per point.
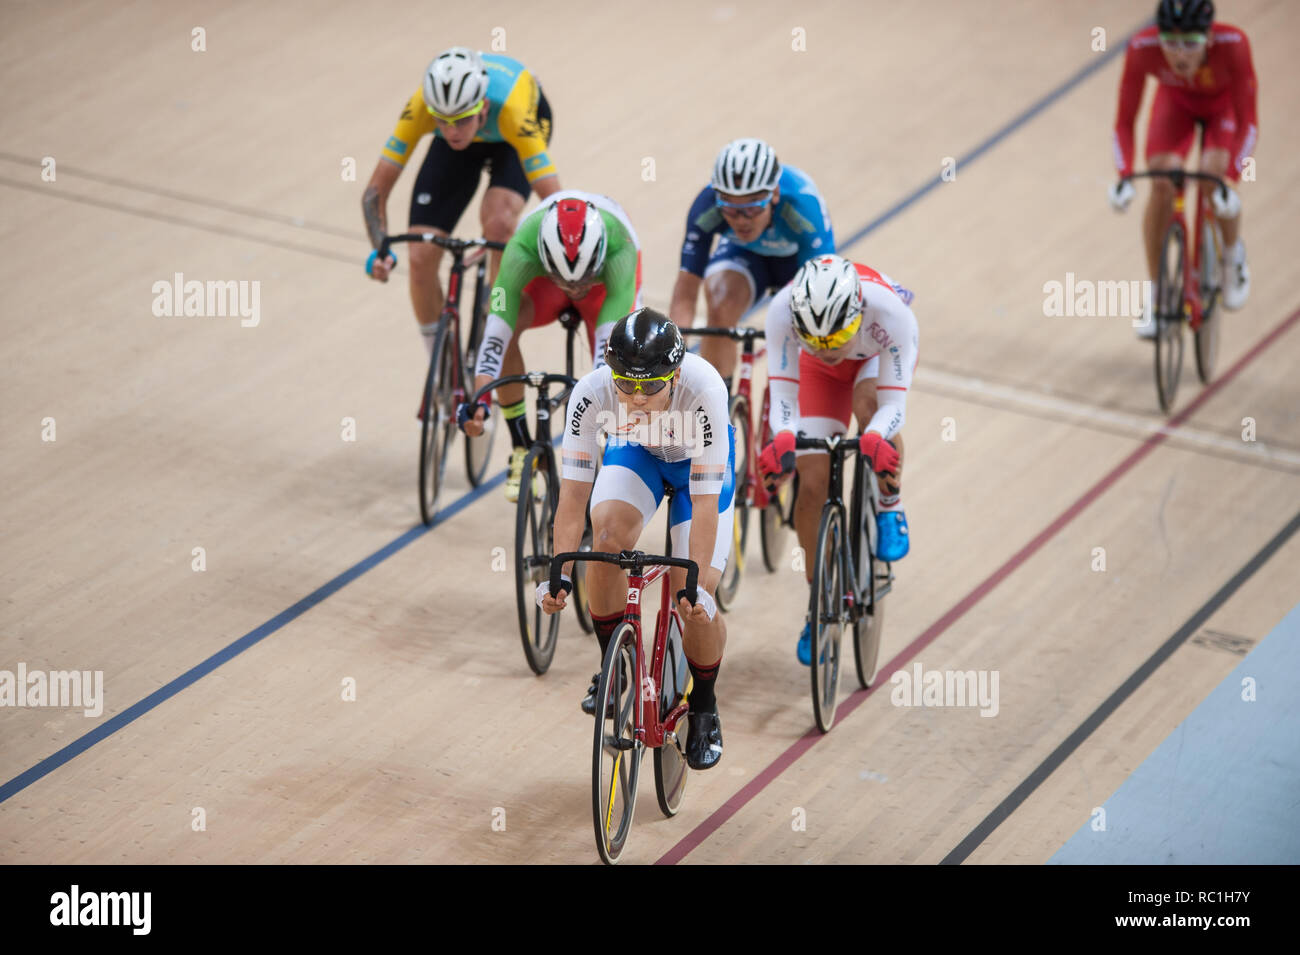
806 742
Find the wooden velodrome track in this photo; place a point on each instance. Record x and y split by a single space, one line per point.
175 433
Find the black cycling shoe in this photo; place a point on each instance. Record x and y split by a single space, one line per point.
589 701
704 740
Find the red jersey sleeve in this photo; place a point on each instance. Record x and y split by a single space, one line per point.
1244 96
1130 98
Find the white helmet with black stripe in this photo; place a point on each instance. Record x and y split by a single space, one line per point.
745 166
826 300
455 82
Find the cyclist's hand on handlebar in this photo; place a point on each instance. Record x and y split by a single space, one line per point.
551 604
1227 204
471 417
881 455
702 610
776 462
377 270
1121 194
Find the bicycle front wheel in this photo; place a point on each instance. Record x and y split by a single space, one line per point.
616 753
872 572
1170 295
730 580
826 613
1207 335
438 423
534 518
670 758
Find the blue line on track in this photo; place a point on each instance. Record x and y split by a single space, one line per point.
134 712
164 693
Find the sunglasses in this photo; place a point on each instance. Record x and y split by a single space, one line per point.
746 210
836 339
650 386
459 117
1182 41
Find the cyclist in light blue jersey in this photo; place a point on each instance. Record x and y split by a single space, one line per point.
770 219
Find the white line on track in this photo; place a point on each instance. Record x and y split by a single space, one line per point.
1255 451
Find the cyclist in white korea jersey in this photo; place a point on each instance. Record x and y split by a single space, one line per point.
664 414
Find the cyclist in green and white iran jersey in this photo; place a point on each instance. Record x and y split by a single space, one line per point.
576 252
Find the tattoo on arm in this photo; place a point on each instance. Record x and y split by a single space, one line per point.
373 210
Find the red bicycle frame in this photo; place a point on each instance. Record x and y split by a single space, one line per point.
650 729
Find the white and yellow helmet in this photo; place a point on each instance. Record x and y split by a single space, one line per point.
826 301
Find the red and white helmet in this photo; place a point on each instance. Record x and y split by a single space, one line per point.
571 241
826 301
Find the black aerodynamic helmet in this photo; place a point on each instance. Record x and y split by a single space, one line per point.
1184 16
644 344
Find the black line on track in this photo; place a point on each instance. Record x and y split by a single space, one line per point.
1062 752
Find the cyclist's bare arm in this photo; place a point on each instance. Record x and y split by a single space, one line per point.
374 202
374 208
546 186
570 522
704 534
686 292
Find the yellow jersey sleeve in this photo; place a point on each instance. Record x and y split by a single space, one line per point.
520 126
412 126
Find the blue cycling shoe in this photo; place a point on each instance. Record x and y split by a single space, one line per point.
804 650
894 541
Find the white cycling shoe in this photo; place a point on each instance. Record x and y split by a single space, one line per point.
1236 278
1146 328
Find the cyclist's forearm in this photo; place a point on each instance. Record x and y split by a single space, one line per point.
374 201
570 518
704 532
686 290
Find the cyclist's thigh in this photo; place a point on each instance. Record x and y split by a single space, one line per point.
681 508
445 184
629 473
777 271
547 301
825 396
864 391
1170 132
589 307
499 213
730 283
505 171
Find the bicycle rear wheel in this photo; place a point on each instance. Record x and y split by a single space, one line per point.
670 758
870 620
1170 295
735 569
534 517
439 421
1207 335
826 613
478 450
616 753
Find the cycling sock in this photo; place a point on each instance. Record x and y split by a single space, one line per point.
604 627
702 697
517 422
427 333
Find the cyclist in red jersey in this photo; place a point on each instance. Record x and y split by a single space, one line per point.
1205 76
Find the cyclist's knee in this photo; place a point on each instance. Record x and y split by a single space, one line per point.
425 259
726 295
499 225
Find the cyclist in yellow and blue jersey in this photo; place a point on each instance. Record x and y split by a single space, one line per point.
484 110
